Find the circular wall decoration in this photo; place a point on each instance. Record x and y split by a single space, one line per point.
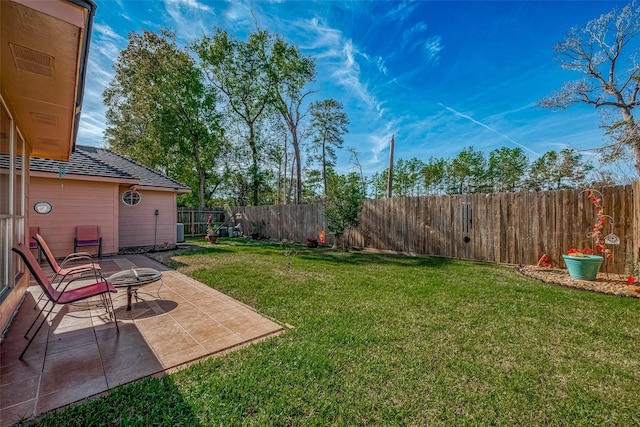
42 207
131 198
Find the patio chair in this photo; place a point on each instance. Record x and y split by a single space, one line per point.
87 235
33 244
67 266
100 288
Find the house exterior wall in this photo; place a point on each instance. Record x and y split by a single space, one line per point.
75 202
137 225
60 29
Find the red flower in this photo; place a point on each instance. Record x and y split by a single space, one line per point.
631 279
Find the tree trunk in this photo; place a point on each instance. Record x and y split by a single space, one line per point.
390 176
202 175
296 150
255 184
324 167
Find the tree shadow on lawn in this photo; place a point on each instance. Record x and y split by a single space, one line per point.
125 405
326 255
168 258
336 256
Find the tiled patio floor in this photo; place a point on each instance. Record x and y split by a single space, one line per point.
79 354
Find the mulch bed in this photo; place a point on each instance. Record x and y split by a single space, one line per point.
612 284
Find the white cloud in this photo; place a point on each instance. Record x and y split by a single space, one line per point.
381 65
403 11
407 35
432 48
91 129
187 17
338 55
106 32
188 4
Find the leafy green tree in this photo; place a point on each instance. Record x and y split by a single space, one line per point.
467 172
604 52
572 170
414 172
542 172
328 125
379 184
239 70
312 190
343 205
406 177
433 175
555 171
507 169
289 72
161 113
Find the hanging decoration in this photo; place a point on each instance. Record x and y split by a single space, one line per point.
62 170
596 231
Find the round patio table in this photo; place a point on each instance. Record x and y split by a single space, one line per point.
133 279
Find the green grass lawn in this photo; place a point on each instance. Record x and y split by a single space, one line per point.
394 340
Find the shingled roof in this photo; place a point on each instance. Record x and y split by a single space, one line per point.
100 162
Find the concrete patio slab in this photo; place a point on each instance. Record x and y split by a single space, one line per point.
79 353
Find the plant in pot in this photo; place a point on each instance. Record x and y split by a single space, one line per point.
211 233
584 264
256 229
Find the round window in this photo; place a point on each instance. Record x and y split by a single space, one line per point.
131 198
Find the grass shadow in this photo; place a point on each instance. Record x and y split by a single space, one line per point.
131 404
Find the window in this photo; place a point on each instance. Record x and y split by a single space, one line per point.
6 167
131 198
12 185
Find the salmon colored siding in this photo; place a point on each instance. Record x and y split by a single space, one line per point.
75 203
98 203
138 223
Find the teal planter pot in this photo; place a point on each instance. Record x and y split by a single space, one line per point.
583 267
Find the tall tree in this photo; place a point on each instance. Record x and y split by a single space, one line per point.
379 182
239 70
161 112
555 171
328 125
358 166
467 172
407 177
433 175
289 72
343 204
602 51
507 169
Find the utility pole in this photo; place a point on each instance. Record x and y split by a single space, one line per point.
390 177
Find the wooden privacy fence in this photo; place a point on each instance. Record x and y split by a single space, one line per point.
195 220
511 228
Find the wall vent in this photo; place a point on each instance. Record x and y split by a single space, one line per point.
44 119
32 61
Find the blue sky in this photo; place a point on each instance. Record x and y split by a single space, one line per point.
440 75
